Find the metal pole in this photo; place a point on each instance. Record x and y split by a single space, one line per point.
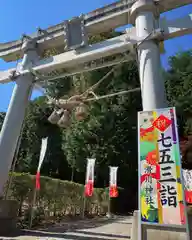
15 114
84 207
32 208
188 232
72 174
109 204
150 70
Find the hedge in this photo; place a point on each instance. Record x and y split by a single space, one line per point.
56 198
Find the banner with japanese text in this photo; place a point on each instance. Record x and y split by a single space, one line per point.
89 181
187 177
113 190
160 186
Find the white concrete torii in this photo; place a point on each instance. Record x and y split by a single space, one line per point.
142 14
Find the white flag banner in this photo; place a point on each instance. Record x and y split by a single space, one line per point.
187 177
187 182
89 180
90 170
113 190
113 176
42 153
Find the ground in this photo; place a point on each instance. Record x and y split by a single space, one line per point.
118 228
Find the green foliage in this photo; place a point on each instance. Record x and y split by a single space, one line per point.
2 116
179 93
109 133
37 127
179 88
55 199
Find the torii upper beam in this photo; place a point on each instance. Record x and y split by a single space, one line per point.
101 20
70 59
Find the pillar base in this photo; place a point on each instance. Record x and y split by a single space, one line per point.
8 217
135 225
150 232
109 215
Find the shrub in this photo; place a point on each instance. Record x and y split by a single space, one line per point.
55 200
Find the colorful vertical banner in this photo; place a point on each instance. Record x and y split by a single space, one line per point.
89 181
113 190
41 158
160 186
187 177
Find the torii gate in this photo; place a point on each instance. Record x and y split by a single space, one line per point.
149 29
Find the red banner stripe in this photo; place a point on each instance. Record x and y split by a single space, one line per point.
89 189
113 191
188 196
38 186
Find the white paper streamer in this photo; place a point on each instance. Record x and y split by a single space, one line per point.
113 176
90 170
42 153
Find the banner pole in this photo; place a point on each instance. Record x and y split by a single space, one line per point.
32 208
182 181
137 215
84 207
109 205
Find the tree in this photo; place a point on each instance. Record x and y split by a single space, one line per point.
110 132
179 88
37 127
179 93
2 116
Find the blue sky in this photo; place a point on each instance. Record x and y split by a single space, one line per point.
21 16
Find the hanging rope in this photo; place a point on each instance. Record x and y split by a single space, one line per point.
83 97
112 95
91 89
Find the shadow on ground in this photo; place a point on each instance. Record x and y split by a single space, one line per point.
75 235
103 234
80 229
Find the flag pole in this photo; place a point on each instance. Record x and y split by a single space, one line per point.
32 207
84 206
109 205
109 197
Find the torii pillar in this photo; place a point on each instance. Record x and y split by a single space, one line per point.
143 16
14 118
